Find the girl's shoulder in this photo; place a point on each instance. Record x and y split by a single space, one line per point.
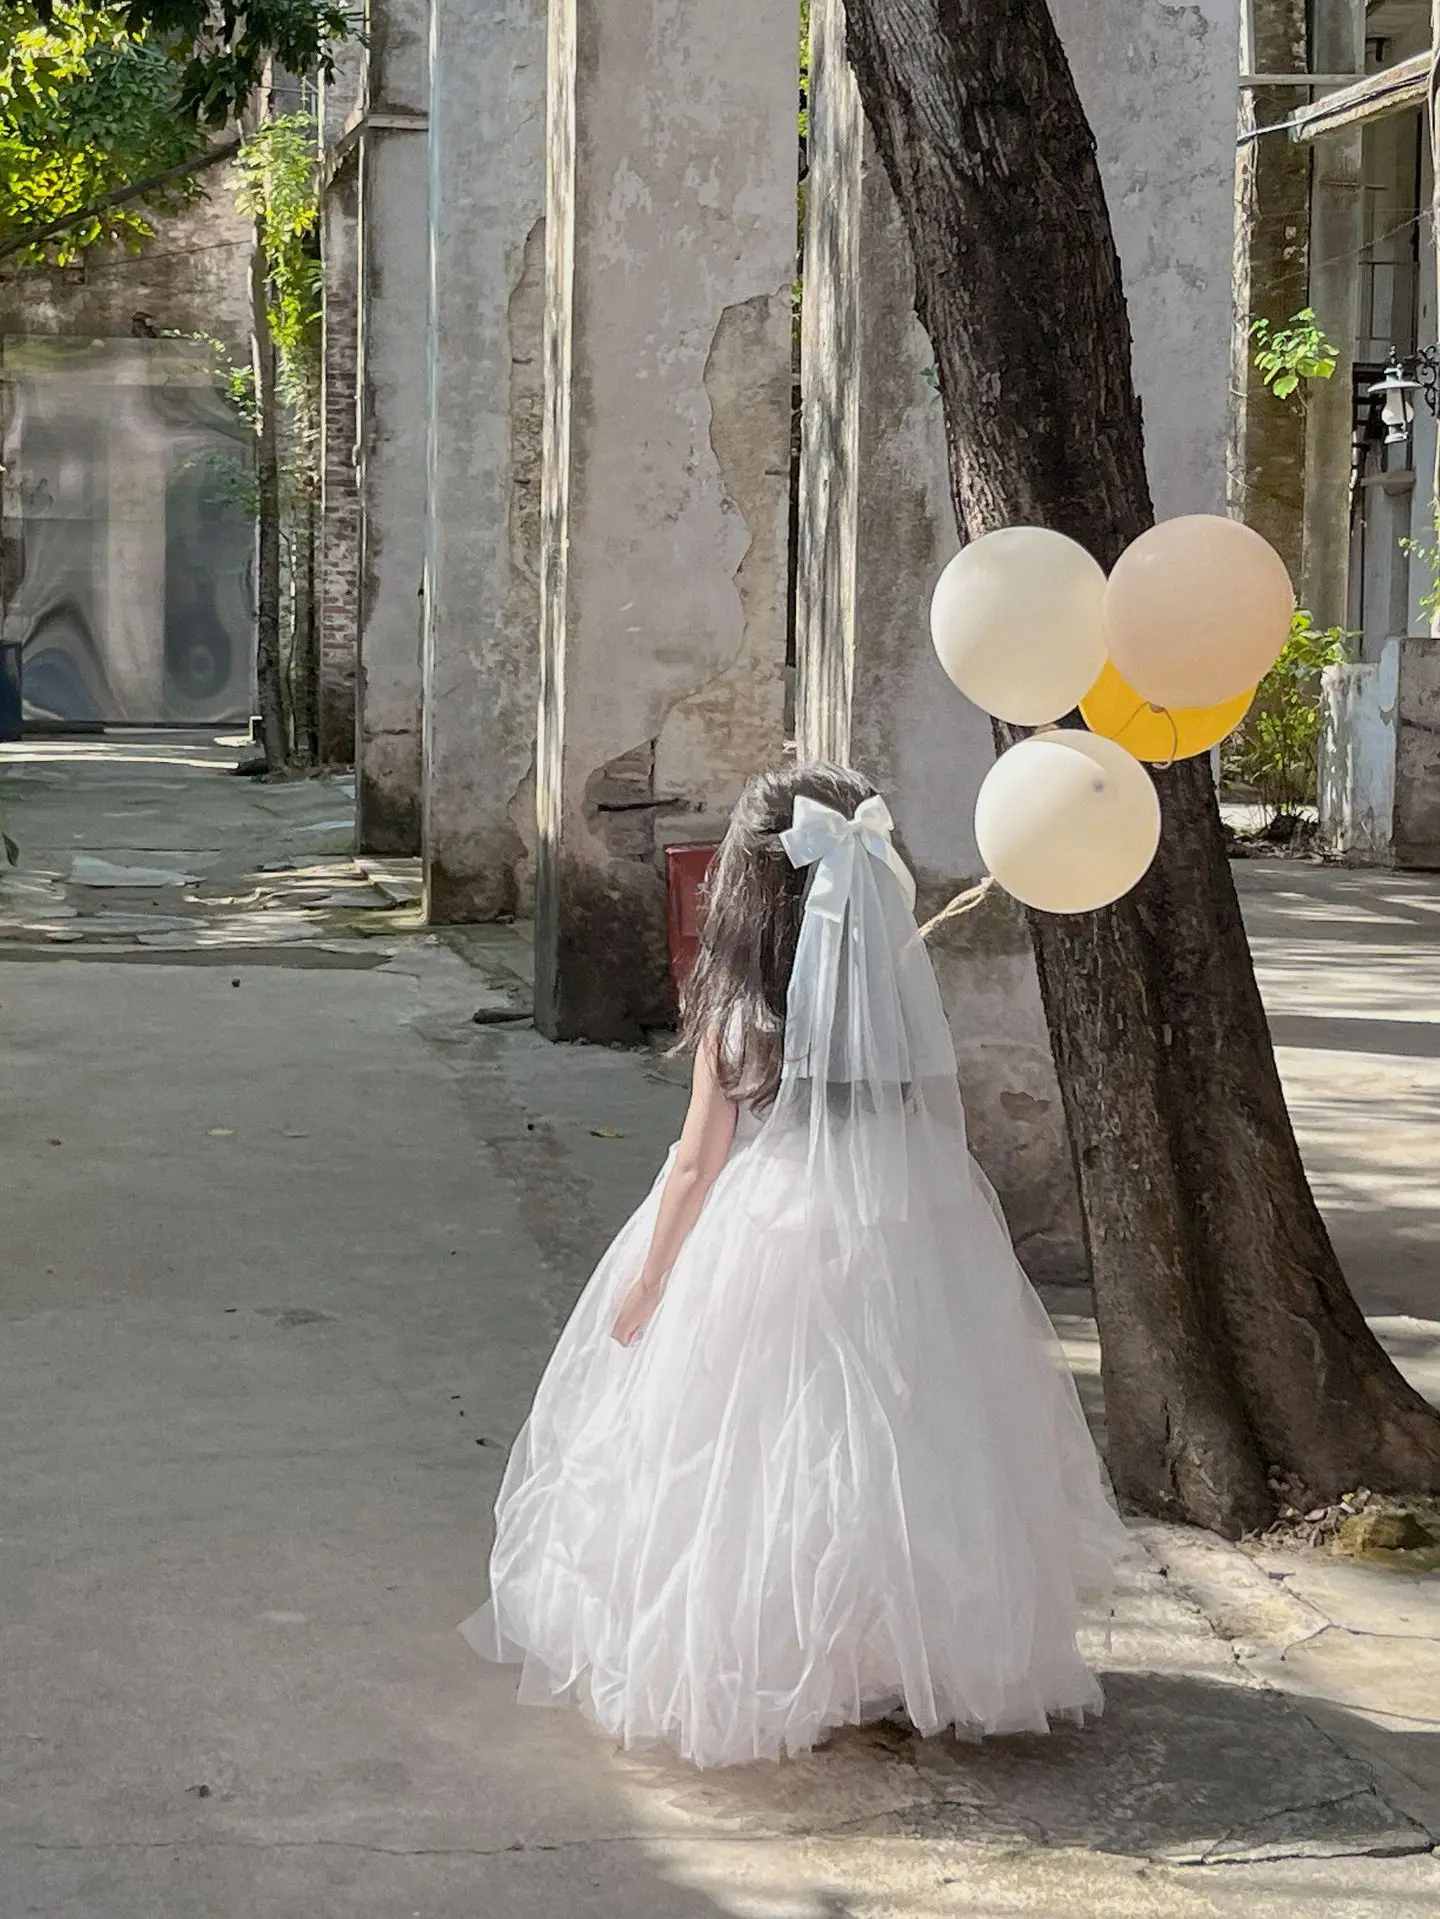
730 1045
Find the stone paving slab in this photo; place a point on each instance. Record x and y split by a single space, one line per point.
1357 1645
154 840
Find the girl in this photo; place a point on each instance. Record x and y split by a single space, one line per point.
806 1452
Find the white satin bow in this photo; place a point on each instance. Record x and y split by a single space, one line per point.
822 838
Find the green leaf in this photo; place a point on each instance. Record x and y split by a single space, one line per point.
1285 385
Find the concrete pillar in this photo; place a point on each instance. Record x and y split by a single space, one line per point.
1158 85
876 527
1423 612
338 557
877 524
484 409
394 275
671 253
1337 232
1272 281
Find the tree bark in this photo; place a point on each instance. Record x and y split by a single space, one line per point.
269 670
1238 1369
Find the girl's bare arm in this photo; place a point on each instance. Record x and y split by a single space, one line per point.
704 1147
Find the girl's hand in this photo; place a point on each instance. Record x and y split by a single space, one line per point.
636 1311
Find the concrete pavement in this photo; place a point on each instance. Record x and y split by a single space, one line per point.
286 1257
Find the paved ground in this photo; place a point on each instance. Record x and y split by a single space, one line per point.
290 1237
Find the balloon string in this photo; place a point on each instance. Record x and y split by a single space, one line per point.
962 903
1174 730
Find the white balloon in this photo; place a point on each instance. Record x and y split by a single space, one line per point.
1067 821
1015 618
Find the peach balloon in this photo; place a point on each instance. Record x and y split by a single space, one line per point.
1159 734
1196 611
1067 821
1015 618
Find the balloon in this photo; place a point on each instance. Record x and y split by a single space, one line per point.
1158 733
1015 618
1067 821
1196 610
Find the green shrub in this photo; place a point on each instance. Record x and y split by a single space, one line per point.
1275 750
1287 355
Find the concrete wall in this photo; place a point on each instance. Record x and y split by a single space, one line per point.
1380 758
671 215
193 276
1357 758
1417 757
484 407
1159 86
394 272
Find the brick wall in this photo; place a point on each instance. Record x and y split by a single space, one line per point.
338 570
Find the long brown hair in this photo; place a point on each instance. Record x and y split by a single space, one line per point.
734 1002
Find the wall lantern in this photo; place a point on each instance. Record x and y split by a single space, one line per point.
1398 408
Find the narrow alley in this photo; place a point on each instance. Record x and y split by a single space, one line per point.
299 1201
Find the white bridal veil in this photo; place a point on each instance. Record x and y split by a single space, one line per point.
869 1068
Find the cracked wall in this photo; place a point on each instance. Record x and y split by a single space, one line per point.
732 724
671 198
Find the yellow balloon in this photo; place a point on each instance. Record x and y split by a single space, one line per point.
1196 610
1159 734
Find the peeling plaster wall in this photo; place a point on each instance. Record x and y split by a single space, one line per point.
672 204
730 726
394 284
1357 758
485 411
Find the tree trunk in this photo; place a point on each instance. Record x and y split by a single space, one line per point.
1237 1366
268 667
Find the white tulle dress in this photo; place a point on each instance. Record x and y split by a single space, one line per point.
844 1471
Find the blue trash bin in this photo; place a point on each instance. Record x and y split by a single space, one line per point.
11 704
